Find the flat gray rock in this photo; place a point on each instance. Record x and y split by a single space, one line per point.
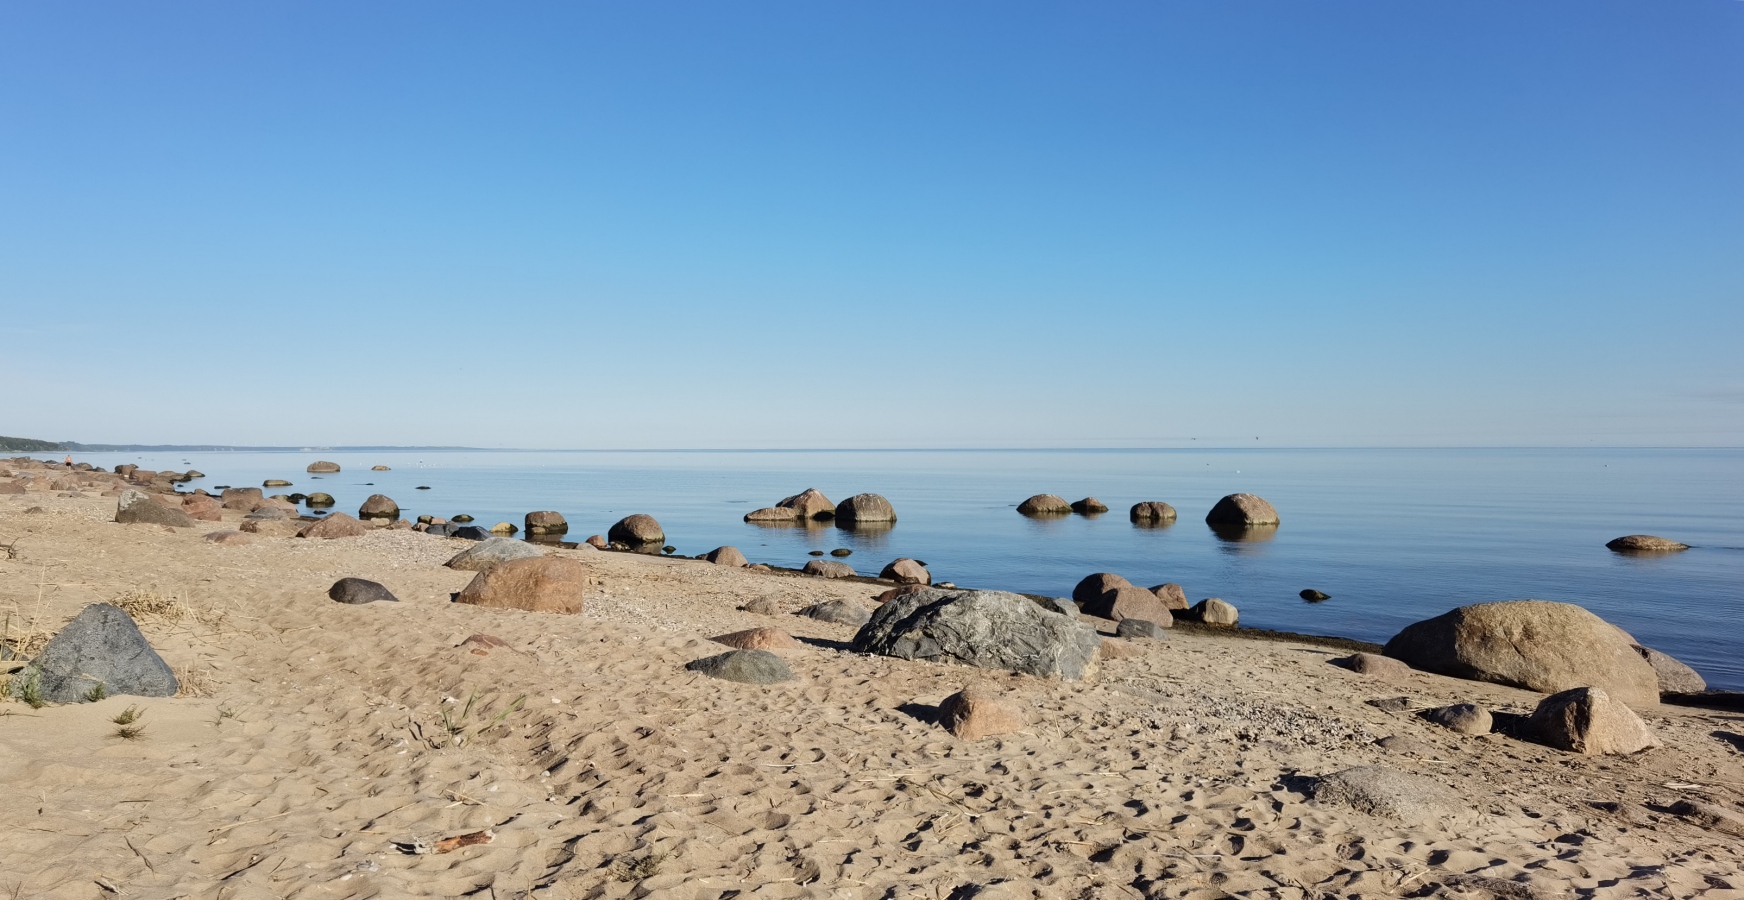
744 666
840 612
102 646
1389 794
1140 628
360 590
490 552
985 629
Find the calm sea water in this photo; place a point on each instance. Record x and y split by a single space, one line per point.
1393 535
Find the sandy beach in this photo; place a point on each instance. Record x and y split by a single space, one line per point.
316 746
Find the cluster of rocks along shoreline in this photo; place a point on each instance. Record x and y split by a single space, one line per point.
1484 683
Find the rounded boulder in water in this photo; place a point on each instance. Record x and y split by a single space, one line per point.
1242 511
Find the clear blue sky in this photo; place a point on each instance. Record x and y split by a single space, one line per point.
878 224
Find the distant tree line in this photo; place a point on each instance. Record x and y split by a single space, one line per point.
29 445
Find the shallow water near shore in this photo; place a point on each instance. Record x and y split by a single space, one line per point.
1393 536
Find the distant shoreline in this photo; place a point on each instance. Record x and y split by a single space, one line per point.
24 446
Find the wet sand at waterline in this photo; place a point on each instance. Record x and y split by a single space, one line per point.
314 740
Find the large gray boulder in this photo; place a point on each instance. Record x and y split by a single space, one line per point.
491 551
986 629
101 646
135 508
1533 644
862 508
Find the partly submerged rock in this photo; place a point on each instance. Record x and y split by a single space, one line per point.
323 466
378 507
744 666
1313 596
808 504
1534 644
1645 543
637 529
987 629
1152 512
1238 511
101 647
491 552
546 521
1089 506
1045 505
865 508
773 514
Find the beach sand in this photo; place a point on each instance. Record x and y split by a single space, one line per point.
314 740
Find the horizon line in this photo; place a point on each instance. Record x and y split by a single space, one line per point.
76 447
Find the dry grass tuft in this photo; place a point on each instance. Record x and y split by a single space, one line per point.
149 604
627 869
192 681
